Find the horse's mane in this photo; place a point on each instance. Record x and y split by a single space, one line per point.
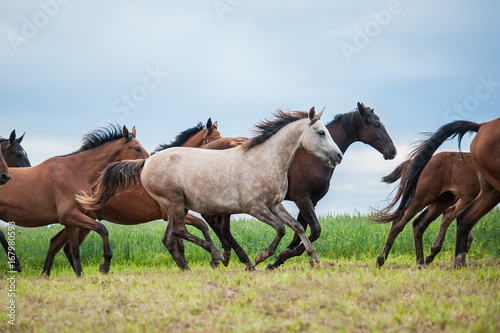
3 139
181 138
267 128
349 120
101 136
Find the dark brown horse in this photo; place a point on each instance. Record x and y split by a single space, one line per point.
13 152
448 177
309 177
135 206
15 156
45 194
485 154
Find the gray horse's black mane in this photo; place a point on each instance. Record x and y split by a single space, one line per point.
267 128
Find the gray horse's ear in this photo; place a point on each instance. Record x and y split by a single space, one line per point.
12 136
312 114
19 139
320 114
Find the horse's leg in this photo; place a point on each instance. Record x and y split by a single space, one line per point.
200 225
225 224
72 237
396 228
82 234
177 215
214 222
422 222
288 220
16 265
173 247
80 220
56 244
307 216
487 199
262 213
448 216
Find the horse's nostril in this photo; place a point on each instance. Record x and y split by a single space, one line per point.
4 178
339 156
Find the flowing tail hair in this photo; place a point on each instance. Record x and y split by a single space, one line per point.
116 178
396 174
419 158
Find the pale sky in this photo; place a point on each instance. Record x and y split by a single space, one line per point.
68 66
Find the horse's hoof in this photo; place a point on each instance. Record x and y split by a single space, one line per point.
270 267
17 267
429 260
422 266
104 269
459 261
214 263
227 258
380 262
260 258
251 267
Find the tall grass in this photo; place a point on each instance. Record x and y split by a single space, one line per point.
342 237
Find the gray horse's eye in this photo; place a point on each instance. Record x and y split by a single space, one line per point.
321 132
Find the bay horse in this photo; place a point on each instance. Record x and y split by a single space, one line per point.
4 171
45 194
448 183
248 179
485 154
12 151
309 176
135 205
15 156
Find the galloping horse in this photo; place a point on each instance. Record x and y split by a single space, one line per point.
248 179
13 152
135 206
45 194
14 156
309 176
447 177
485 153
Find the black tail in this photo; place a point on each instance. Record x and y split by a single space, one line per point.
396 174
416 163
116 178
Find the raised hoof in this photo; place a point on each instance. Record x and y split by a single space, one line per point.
380 262
214 263
104 269
227 258
260 258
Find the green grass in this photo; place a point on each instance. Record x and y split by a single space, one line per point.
343 237
146 292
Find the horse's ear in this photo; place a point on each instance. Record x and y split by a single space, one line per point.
134 131
12 137
362 109
321 113
209 123
19 139
215 125
126 134
312 114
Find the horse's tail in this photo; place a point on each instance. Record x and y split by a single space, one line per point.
416 163
396 174
116 178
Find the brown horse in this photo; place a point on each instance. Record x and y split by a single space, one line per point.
13 152
45 194
447 177
309 177
14 156
485 154
135 206
4 171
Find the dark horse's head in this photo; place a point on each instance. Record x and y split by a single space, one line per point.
13 152
373 132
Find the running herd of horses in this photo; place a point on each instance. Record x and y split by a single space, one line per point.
291 157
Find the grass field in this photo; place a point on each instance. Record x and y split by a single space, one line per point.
145 292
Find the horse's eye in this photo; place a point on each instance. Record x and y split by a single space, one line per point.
138 150
377 125
321 132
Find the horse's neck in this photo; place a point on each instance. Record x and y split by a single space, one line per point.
194 141
280 150
95 160
340 136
